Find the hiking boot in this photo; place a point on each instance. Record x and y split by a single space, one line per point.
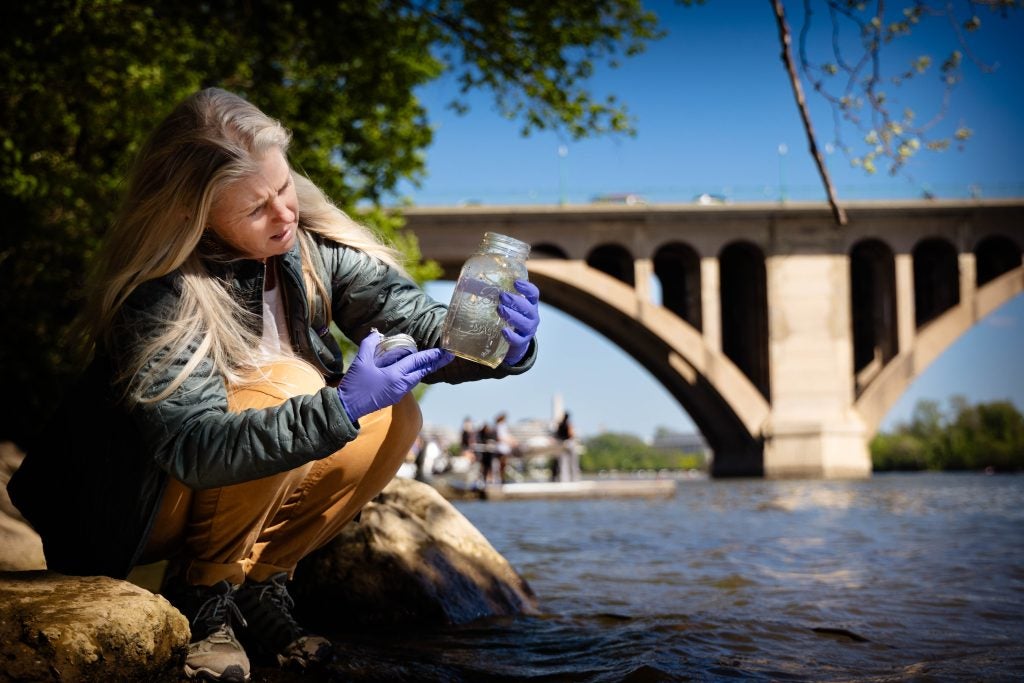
267 608
214 653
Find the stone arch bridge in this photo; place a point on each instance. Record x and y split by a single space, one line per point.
785 337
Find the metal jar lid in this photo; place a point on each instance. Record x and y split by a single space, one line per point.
394 342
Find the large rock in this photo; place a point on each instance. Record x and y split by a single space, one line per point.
60 628
412 559
63 628
20 546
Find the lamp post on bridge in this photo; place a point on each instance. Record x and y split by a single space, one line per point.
563 152
783 150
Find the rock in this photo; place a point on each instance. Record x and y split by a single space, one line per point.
61 628
412 559
68 628
20 546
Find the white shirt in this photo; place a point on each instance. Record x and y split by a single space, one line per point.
276 340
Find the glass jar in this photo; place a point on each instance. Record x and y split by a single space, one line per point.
472 328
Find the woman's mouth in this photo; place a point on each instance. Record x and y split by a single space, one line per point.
283 235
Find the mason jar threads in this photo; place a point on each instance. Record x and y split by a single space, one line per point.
473 327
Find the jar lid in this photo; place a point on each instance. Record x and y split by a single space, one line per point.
392 342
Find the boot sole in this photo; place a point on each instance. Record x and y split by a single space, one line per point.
226 676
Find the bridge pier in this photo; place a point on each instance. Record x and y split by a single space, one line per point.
812 430
709 286
816 450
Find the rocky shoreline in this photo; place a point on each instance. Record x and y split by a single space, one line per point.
412 560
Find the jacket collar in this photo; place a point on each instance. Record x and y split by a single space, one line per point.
244 273
245 277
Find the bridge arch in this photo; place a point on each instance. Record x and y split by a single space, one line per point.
936 279
872 308
615 260
993 256
722 402
547 250
743 284
931 341
677 267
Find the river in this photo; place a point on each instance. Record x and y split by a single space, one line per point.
898 577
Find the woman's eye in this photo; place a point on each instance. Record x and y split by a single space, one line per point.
256 210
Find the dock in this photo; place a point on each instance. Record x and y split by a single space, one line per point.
597 488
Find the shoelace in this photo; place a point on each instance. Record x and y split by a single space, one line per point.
217 609
276 592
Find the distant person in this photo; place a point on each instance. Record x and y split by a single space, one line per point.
487 444
568 464
412 458
427 461
508 446
468 439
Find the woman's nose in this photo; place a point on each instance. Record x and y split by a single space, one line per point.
283 212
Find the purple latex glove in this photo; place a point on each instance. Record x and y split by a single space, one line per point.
522 313
367 387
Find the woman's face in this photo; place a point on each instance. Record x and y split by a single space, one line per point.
259 215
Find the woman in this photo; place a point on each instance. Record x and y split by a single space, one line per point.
216 426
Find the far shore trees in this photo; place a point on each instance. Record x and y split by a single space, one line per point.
628 453
966 437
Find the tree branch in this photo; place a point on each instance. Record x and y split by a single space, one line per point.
787 57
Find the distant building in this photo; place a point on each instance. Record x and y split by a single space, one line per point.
534 435
442 434
687 442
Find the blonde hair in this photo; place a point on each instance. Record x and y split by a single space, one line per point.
210 140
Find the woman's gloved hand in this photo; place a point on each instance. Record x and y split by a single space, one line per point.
367 387
522 313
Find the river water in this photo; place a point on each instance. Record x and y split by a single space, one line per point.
899 577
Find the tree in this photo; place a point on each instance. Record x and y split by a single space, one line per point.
84 80
627 452
988 435
898 451
966 437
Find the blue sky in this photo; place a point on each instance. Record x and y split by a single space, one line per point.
712 104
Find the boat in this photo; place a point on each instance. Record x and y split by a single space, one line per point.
587 488
555 490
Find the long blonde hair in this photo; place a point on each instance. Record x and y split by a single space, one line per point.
207 142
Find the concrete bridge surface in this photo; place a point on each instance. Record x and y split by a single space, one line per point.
785 337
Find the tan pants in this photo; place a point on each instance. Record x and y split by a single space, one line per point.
265 526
